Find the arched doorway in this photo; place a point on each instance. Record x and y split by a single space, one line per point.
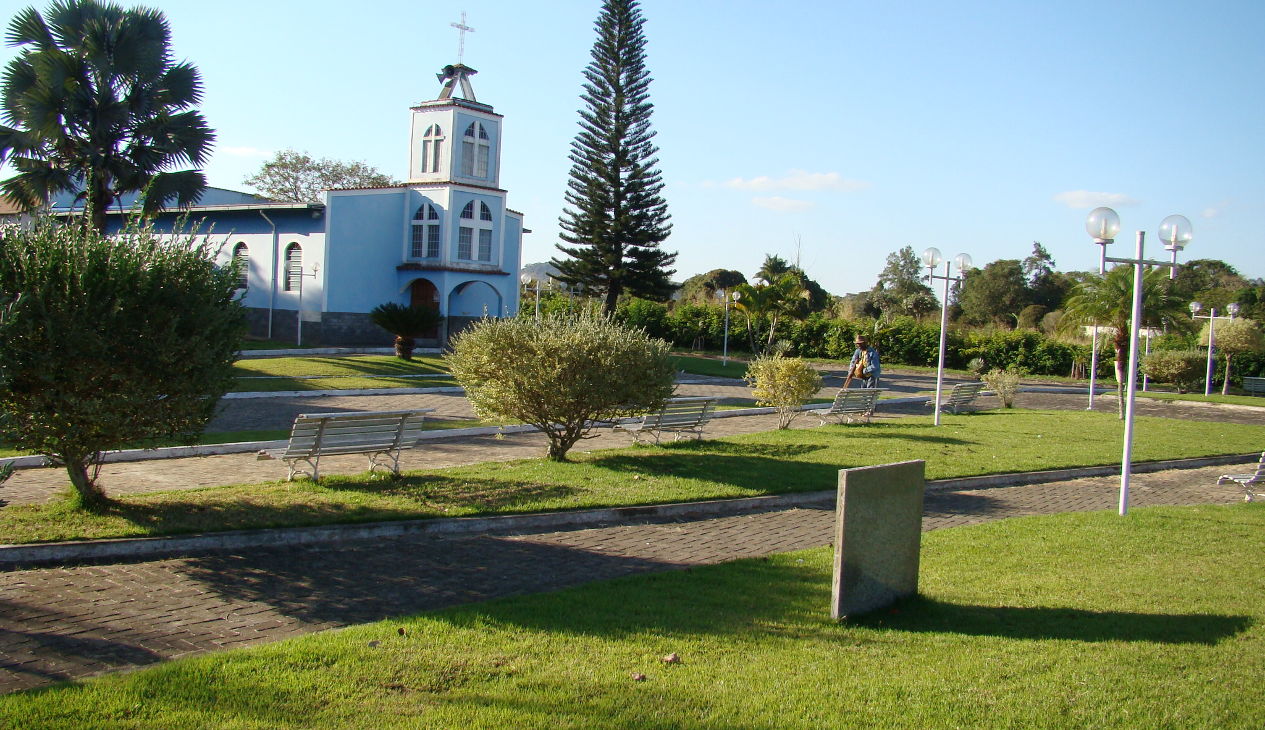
422 293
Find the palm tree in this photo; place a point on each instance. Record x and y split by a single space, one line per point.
406 323
783 296
98 107
1107 301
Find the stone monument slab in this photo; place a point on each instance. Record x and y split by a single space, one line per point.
878 533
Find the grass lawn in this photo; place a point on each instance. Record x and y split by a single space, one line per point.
712 367
1020 623
338 373
1238 400
739 466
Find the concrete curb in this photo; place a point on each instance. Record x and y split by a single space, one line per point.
13 557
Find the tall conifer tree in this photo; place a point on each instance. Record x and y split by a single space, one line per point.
614 215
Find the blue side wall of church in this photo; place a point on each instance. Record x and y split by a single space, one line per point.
365 241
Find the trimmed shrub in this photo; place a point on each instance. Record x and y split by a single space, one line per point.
1005 383
1182 368
561 374
646 315
111 341
786 383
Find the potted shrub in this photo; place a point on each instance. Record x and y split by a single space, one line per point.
406 323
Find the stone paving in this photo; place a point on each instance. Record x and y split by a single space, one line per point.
72 622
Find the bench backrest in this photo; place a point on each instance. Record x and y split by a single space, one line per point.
353 433
682 413
965 392
856 400
1254 385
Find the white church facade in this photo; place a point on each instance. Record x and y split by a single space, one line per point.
444 239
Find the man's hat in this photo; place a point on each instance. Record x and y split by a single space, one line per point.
860 339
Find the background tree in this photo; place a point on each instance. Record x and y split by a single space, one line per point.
773 267
769 303
900 290
1108 301
112 341
1234 337
995 294
1210 281
98 107
1046 287
297 177
561 374
702 288
614 215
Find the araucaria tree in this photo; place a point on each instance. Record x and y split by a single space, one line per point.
110 341
94 104
614 217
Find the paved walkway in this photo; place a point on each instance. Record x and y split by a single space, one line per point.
66 623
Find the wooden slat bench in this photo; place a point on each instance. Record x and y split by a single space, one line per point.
963 394
1254 386
678 415
851 405
379 434
1249 481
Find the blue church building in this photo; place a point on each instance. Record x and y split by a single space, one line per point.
444 239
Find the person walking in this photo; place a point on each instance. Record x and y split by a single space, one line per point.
865 365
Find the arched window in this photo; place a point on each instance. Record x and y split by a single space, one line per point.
475 151
425 243
472 231
294 267
241 257
432 141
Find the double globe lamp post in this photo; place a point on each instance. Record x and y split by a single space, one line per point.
1211 316
931 259
725 295
1103 224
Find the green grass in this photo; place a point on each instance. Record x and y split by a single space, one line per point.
1020 623
711 367
338 373
774 462
1238 400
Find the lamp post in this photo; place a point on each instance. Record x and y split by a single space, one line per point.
1103 224
1195 308
1175 232
316 268
931 258
724 294
527 280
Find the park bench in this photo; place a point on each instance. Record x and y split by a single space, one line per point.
1248 480
679 415
850 405
379 434
1254 386
963 394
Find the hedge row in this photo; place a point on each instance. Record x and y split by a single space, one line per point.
903 341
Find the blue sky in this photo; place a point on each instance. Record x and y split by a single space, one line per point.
834 132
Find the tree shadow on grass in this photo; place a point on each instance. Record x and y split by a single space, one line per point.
926 615
759 474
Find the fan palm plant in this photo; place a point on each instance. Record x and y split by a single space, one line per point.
1107 301
406 323
99 108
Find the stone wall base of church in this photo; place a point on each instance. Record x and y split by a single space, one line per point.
335 329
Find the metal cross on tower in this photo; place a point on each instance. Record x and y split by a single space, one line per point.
462 29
